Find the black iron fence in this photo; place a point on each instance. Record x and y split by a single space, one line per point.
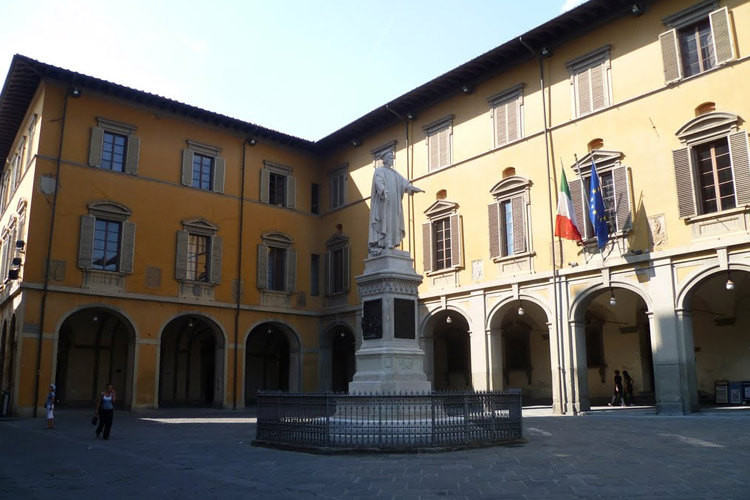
399 422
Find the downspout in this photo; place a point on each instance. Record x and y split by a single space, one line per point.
45 288
558 319
238 291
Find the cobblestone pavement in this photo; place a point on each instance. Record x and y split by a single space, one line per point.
609 453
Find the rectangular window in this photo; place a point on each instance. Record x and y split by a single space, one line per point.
203 169
198 258
338 183
714 169
277 189
696 48
507 240
106 254
315 199
607 184
276 268
439 147
337 270
314 275
590 78
441 231
114 147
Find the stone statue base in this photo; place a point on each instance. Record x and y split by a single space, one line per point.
389 360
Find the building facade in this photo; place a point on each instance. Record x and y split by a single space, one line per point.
191 258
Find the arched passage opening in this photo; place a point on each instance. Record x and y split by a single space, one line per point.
272 355
614 327
520 351
96 347
191 366
719 317
448 351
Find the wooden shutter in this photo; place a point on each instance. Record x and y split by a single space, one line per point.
738 146
493 211
327 281
519 225
622 199
86 241
265 182
181 256
127 247
95 148
583 92
131 157
262 279
434 154
670 56
427 246
457 257
187 167
501 124
444 137
291 192
576 197
684 179
215 271
599 92
512 124
219 174
721 29
347 267
291 270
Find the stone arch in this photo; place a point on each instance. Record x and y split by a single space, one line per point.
192 361
688 286
584 298
336 360
273 358
95 346
445 340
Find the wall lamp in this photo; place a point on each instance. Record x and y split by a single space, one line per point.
410 116
612 299
730 284
546 52
521 312
356 142
251 141
449 320
637 9
75 92
466 89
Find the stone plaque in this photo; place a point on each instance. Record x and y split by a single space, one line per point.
372 319
403 317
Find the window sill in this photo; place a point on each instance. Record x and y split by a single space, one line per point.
275 298
716 215
447 270
590 243
510 258
718 224
190 289
111 281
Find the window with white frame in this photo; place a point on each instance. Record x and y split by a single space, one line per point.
616 192
277 185
442 237
699 39
712 169
203 167
114 146
199 252
507 115
590 82
277 263
336 265
107 238
508 219
439 143
31 136
337 184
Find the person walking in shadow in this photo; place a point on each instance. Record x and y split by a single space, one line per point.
49 404
617 390
628 393
105 408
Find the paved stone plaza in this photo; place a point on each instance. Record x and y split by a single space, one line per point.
610 453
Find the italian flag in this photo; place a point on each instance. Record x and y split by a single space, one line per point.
565 222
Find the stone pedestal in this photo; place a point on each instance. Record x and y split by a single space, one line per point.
389 360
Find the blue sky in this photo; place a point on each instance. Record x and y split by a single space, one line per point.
306 68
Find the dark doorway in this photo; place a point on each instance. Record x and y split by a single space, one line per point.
267 361
343 360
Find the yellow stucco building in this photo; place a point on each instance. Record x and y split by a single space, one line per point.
191 258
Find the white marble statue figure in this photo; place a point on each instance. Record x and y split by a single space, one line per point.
386 210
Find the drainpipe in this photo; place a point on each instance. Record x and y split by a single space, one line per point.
45 288
540 55
238 296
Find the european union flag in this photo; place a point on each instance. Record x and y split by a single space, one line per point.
597 214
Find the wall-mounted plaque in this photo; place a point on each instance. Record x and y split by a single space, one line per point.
403 317
372 319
